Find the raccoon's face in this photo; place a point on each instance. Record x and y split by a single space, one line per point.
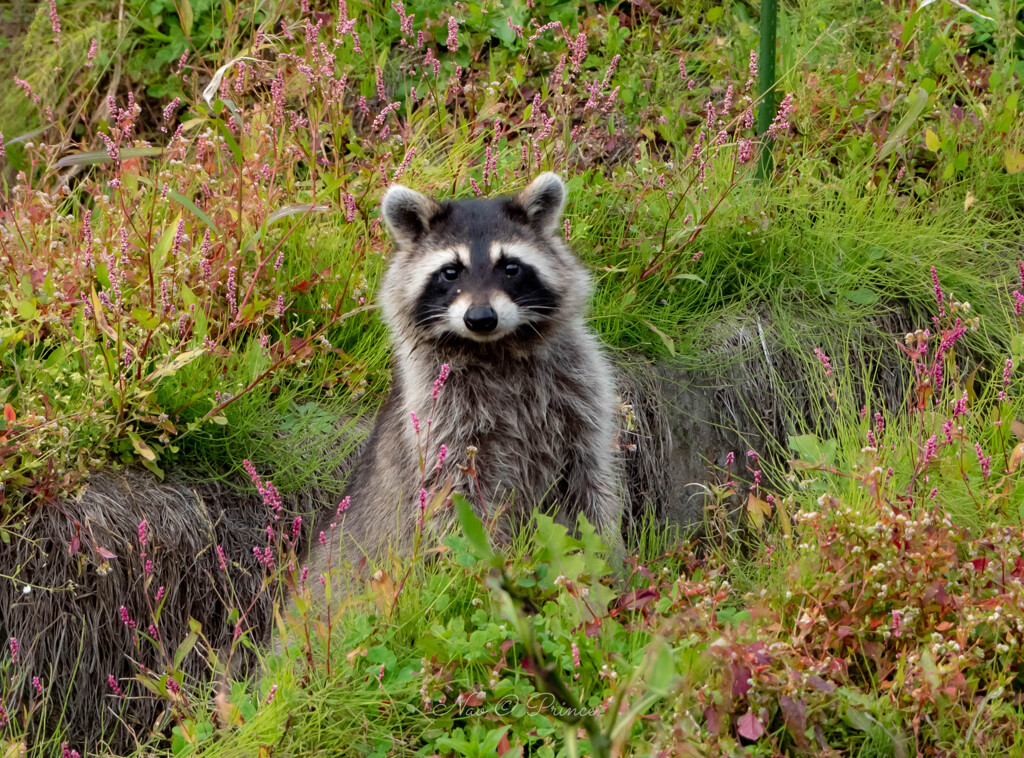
480 271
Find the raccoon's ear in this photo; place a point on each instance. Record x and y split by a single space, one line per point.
407 214
542 201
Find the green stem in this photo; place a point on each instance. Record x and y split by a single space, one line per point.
766 62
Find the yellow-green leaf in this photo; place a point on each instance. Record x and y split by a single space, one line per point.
163 246
931 139
141 447
185 16
1014 161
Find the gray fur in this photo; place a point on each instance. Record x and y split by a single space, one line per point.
540 409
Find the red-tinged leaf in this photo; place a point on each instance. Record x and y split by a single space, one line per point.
637 599
504 745
104 553
822 685
941 627
794 713
844 631
713 720
302 286
750 727
9 413
76 544
980 563
740 680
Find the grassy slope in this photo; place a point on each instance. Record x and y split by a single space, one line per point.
834 241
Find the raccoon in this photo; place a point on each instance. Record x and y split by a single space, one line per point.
483 297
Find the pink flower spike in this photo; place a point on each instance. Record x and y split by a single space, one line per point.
452 42
442 377
939 296
343 505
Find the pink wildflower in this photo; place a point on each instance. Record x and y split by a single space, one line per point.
939 296
54 18
825 362
126 619
114 686
442 377
983 460
453 34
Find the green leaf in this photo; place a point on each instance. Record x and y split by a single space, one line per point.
813 450
714 14
914 111
141 447
932 141
185 648
185 16
1014 161
101 156
861 296
147 318
473 529
670 345
163 245
183 201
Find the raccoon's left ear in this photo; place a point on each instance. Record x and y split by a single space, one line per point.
407 214
543 200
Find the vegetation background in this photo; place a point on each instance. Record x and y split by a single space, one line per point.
190 245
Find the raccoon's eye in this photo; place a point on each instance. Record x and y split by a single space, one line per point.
511 269
450 273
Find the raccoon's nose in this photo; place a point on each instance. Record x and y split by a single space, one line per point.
481 319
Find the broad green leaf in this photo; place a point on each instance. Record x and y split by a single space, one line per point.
473 529
141 447
163 245
1014 161
917 105
147 318
861 296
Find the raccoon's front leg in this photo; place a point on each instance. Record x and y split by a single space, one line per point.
593 489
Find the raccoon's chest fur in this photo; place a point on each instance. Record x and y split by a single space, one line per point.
542 424
522 418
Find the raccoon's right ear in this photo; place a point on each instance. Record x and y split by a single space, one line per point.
542 200
407 214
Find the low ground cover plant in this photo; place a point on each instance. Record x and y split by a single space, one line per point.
190 244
